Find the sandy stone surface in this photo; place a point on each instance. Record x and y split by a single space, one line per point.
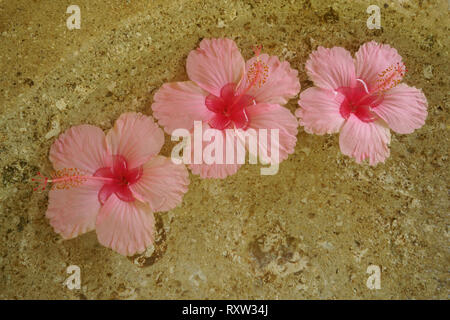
311 231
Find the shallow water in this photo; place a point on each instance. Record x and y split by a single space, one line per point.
311 231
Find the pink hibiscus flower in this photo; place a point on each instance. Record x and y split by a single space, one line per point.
361 99
225 92
113 183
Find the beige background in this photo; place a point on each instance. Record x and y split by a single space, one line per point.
310 231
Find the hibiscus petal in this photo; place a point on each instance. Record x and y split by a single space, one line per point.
273 116
82 147
216 170
331 68
178 104
404 108
120 166
136 138
242 102
240 119
73 212
227 92
365 140
125 227
124 193
281 81
215 104
162 184
319 111
105 172
219 121
214 64
373 58
106 191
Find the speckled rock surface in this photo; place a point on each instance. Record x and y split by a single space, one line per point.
310 231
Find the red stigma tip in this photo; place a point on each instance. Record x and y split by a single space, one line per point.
257 50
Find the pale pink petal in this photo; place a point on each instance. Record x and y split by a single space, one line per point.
219 121
273 116
125 227
82 147
331 68
73 212
135 137
178 104
224 168
373 58
319 111
365 140
281 81
404 108
214 171
162 184
215 104
214 64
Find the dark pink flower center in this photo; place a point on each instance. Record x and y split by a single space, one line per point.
121 178
360 102
229 108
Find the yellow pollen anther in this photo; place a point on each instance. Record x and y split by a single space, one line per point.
391 77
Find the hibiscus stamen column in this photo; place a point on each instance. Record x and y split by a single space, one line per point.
257 73
66 178
391 77
386 80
